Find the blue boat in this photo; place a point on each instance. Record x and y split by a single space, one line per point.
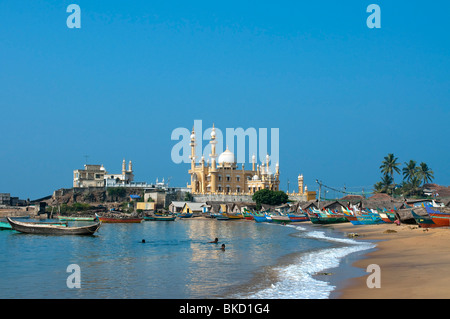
260 218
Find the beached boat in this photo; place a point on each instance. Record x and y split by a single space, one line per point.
440 218
369 219
222 217
186 215
260 218
160 218
52 228
280 219
423 221
324 219
234 215
104 219
296 218
247 215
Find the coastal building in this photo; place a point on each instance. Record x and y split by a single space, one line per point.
220 174
97 176
223 176
120 179
90 176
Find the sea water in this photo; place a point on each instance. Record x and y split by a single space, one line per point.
177 261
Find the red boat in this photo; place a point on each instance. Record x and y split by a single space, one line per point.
104 219
440 219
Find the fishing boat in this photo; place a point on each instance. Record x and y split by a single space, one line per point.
186 215
296 218
281 219
52 228
234 216
424 221
260 218
327 219
247 215
104 219
440 219
222 217
369 219
160 218
74 218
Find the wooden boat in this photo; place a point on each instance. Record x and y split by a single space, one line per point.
186 215
295 218
260 218
440 219
222 217
318 219
234 216
247 215
73 218
160 218
52 228
423 221
120 220
280 219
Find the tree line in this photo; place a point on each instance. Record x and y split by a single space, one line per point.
414 177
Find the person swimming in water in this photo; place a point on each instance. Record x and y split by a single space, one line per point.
216 241
223 247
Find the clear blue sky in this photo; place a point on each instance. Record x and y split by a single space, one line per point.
342 95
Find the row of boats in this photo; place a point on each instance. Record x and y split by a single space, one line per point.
433 218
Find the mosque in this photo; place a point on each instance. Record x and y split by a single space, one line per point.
221 175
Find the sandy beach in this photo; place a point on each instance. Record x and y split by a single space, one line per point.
413 262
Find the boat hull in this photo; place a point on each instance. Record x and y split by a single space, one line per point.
281 219
328 220
119 220
48 229
159 218
298 218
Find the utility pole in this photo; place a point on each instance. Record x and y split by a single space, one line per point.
320 188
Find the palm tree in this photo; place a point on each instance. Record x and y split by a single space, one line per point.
387 183
390 165
424 173
410 170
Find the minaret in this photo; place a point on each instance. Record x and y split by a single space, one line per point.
277 170
253 162
300 184
192 157
267 165
213 156
130 167
124 167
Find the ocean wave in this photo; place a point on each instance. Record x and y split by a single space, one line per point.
296 281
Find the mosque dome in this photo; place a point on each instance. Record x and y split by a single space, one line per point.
227 157
255 178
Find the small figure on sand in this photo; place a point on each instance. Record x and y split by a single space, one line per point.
216 241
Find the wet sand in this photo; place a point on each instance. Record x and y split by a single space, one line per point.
413 262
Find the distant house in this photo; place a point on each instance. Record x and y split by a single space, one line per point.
193 207
146 205
176 207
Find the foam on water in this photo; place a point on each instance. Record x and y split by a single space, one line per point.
296 281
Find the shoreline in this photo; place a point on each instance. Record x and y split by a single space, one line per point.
413 262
